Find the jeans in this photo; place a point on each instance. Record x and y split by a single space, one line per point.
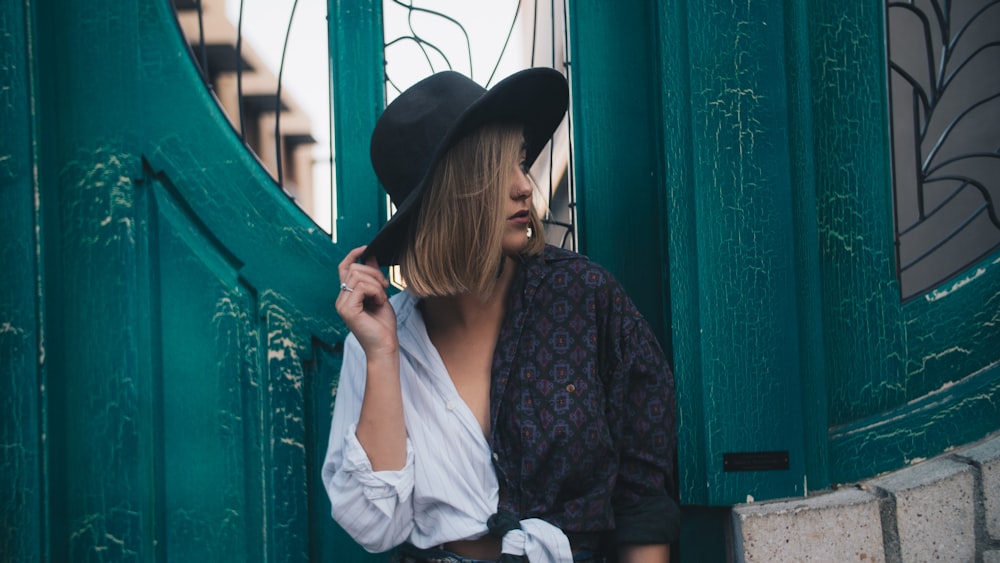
408 553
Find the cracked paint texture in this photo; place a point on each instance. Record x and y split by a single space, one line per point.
748 341
210 396
188 315
905 381
886 382
136 249
21 362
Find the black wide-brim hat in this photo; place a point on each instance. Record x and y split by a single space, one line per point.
419 127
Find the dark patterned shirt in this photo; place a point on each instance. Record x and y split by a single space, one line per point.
582 407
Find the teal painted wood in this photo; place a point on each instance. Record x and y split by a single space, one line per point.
358 99
865 361
22 366
99 421
815 414
179 407
616 139
680 217
326 543
284 274
740 262
210 474
905 381
952 380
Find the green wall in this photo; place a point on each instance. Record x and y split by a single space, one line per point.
169 344
22 369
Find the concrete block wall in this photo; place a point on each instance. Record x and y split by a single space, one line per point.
943 509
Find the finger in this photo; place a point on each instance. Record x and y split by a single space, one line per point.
365 293
363 280
358 272
351 258
372 262
364 270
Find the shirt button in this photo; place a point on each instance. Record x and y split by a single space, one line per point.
570 388
451 405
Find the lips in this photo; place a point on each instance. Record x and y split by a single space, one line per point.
522 215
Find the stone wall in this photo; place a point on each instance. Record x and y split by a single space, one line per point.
943 509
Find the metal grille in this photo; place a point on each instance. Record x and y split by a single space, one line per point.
488 40
244 51
420 38
944 88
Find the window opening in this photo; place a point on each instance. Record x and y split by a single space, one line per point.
266 63
944 92
488 40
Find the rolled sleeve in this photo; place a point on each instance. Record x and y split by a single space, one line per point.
373 507
651 520
385 489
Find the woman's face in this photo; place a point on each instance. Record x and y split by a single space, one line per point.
518 208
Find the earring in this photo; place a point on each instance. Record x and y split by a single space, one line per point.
528 233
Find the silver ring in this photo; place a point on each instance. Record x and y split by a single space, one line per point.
343 287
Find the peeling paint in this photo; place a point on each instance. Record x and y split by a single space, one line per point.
6 327
930 400
938 355
293 442
938 294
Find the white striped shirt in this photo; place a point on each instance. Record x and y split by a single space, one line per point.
448 488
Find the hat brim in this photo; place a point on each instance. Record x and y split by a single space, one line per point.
535 97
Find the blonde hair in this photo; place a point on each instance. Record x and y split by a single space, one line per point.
455 245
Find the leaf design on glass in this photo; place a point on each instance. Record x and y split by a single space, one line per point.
944 88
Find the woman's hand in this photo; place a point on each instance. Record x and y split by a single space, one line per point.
364 305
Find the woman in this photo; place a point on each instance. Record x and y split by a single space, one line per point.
511 403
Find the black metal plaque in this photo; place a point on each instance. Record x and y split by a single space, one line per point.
755 461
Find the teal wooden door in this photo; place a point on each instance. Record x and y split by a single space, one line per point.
169 346
912 370
742 150
683 112
735 172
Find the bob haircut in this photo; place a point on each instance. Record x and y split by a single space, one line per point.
456 243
